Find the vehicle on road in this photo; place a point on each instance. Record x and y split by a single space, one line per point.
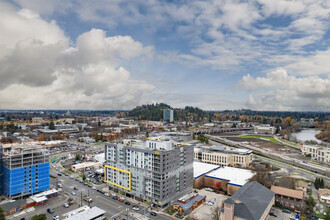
114 197
273 214
66 205
127 203
59 174
59 185
94 187
73 193
75 188
56 217
50 211
114 194
121 199
136 208
88 199
153 213
107 194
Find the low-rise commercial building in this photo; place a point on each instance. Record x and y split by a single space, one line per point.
200 170
270 130
187 203
81 166
251 202
85 213
224 156
288 198
228 179
155 170
317 152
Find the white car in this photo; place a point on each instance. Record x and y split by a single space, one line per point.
107 194
210 203
73 193
114 194
136 208
209 189
56 217
66 205
94 187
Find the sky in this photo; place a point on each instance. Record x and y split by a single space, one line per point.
271 55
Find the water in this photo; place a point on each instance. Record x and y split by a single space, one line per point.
306 135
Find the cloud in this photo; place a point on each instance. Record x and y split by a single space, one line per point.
279 90
43 71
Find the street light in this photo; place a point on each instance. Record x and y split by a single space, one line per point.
127 209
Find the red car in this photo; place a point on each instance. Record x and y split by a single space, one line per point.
121 199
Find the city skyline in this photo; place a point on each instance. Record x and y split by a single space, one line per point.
215 55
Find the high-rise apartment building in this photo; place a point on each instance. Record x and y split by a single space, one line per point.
168 115
156 170
24 169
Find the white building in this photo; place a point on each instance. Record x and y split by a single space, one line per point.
264 130
319 153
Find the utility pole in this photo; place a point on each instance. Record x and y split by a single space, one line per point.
81 199
127 209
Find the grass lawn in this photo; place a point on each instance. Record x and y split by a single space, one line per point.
68 172
101 143
258 137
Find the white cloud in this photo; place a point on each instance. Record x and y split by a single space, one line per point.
280 91
39 70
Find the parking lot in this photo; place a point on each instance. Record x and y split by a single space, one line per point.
280 215
204 211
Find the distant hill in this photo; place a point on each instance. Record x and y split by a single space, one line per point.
154 112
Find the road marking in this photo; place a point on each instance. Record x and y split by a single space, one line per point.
111 202
116 214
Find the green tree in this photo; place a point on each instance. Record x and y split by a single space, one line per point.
51 126
39 217
327 216
2 215
77 156
84 177
101 138
310 202
96 137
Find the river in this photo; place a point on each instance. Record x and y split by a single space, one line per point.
306 135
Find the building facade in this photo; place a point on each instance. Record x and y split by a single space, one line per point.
155 170
270 130
224 156
168 115
319 153
288 198
25 170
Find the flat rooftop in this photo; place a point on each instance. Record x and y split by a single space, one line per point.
87 214
235 176
203 168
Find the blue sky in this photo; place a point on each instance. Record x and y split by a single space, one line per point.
216 55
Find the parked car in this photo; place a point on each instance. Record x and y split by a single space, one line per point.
210 203
73 193
94 187
114 197
127 203
50 211
153 213
209 189
286 210
273 214
59 174
75 188
114 194
66 205
56 217
107 194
